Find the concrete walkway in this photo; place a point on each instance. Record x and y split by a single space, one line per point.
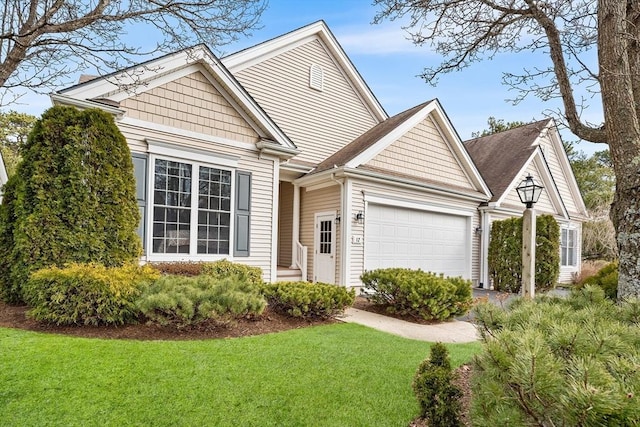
460 330
454 331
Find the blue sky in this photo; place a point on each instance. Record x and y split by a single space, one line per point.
390 64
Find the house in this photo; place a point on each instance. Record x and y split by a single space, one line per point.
280 156
504 160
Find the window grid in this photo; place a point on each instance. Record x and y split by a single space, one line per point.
568 247
214 210
325 237
172 207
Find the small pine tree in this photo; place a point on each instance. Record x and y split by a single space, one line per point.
433 386
72 198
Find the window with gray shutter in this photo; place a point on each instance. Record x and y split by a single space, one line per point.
243 214
140 173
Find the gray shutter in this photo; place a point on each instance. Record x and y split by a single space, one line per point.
243 214
140 173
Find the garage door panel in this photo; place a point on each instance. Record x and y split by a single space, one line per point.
400 237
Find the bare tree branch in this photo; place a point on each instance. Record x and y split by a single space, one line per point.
43 42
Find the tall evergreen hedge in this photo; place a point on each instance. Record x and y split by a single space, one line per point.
72 199
505 253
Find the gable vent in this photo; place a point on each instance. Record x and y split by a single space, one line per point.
316 77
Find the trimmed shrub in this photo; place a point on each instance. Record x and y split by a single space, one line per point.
438 396
505 254
185 301
179 268
224 268
72 198
417 293
86 294
607 279
308 300
556 361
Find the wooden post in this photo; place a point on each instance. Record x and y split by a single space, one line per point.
529 253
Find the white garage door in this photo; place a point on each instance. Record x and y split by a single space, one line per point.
401 237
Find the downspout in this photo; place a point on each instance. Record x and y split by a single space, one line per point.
343 217
295 232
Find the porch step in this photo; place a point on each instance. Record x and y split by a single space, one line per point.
286 274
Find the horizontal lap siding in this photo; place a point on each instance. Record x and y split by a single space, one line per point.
359 186
261 169
543 205
312 202
551 155
285 224
422 152
318 122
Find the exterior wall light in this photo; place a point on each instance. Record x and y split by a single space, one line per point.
359 218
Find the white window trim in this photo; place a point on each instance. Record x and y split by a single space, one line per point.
191 154
576 246
193 236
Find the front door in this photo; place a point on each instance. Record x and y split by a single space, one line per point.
324 261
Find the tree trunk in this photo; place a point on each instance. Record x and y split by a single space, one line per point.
623 135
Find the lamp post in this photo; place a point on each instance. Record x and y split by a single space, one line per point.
529 192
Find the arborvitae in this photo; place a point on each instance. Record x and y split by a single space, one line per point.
505 253
72 198
438 396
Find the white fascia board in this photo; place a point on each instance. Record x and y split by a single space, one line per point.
550 185
132 77
58 99
390 137
516 179
180 64
248 57
451 136
556 141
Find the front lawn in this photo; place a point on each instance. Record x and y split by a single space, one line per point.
334 375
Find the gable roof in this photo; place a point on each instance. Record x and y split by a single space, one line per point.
108 91
248 57
501 156
375 140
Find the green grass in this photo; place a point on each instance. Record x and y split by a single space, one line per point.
335 375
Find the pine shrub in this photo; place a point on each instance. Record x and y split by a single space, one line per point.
308 300
607 279
556 361
438 396
86 294
186 301
505 254
417 293
225 268
72 199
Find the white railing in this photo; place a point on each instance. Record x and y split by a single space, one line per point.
300 259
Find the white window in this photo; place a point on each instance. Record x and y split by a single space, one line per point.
568 247
191 208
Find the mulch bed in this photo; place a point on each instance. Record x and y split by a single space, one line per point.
363 303
268 322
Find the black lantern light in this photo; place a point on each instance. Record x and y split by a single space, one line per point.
529 191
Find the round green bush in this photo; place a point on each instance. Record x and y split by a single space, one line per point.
185 301
607 279
418 293
87 294
308 300
72 199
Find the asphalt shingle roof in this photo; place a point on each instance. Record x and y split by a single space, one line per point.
499 157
